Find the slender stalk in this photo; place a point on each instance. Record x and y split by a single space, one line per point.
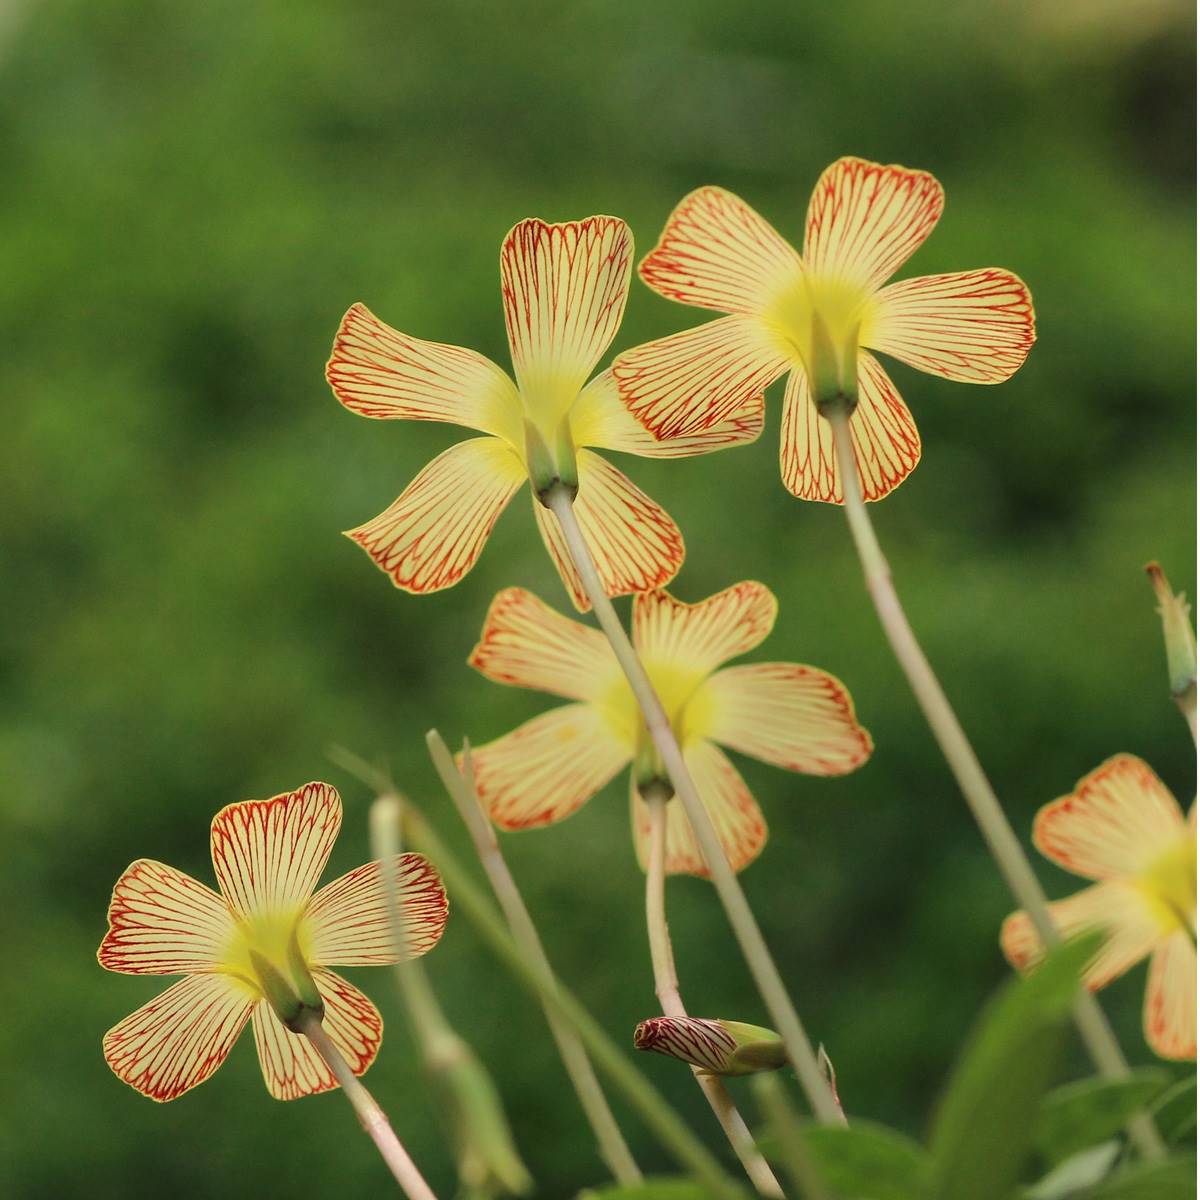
665 1123
766 975
1186 702
666 986
613 1148
1003 843
370 1115
787 1130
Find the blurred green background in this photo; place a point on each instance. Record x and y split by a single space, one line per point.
194 194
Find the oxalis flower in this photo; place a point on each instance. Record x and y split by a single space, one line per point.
714 1047
790 715
564 289
817 318
263 944
1122 828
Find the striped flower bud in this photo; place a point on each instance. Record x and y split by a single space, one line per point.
713 1047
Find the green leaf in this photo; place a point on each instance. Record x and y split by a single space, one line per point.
1086 1113
1175 1111
867 1162
1077 1172
651 1189
1174 1179
983 1131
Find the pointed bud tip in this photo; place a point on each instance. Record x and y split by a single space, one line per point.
1178 635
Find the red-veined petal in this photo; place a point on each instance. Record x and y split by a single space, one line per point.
528 644
694 380
1117 821
377 371
971 326
1169 1017
290 1064
635 544
599 418
787 714
180 1038
865 220
564 289
269 854
547 768
348 922
1127 923
882 433
717 252
434 533
699 637
163 922
735 814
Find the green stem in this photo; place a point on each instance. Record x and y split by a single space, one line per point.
666 987
1003 843
788 1132
758 958
613 1148
370 1115
674 1135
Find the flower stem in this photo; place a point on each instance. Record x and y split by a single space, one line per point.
762 966
666 986
1003 843
613 1148
370 1115
674 1135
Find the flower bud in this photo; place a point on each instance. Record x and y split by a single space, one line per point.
713 1047
1177 632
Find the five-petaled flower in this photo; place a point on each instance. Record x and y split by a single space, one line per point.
1123 829
790 715
564 289
268 856
817 317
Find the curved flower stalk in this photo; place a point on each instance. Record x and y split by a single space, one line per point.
260 950
564 289
792 716
1121 828
817 318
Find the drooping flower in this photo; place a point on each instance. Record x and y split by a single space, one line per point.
817 318
792 716
265 932
714 1047
1123 829
564 289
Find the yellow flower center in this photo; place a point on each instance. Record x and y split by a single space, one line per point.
844 311
687 705
1169 887
268 935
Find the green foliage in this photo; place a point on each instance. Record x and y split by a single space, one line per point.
867 1160
1083 1114
1174 1179
650 1189
1175 1111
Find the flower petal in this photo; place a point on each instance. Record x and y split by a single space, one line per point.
700 637
598 418
269 854
787 714
527 644
291 1066
547 768
377 371
434 533
971 326
348 923
1169 1017
1117 821
163 922
694 380
739 821
180 1038
865 220
1128 925
883 434
564 289
717 252
635 544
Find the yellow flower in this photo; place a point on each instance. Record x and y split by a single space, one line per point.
264 928
563 289
793 716
1122 828
817 318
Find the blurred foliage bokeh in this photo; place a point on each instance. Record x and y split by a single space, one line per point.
193 194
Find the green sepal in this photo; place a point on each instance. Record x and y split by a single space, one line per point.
306 986
279 994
